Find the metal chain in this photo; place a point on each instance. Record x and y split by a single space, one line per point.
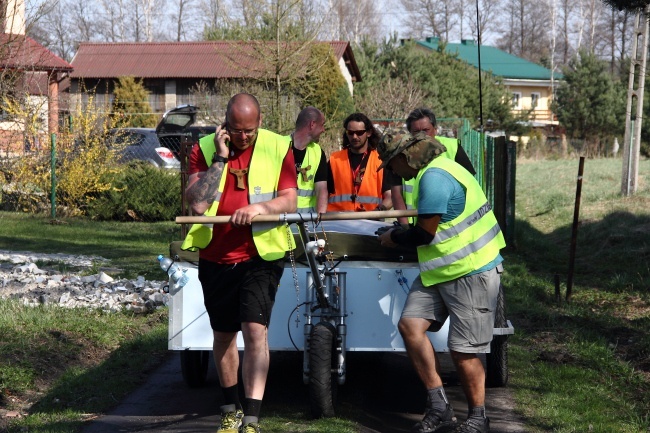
292 259
330 259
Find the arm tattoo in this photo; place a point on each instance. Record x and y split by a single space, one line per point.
205 189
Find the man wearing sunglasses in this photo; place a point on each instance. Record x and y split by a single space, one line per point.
354 183
242 171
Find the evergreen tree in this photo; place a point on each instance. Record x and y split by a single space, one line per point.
448 85
324 86
131 104
588 103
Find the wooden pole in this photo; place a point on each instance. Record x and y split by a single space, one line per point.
301 217
574 230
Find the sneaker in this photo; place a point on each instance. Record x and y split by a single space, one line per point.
231 421
251 427
474 425
436 421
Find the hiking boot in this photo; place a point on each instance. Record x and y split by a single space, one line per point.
251 427
474 425
231 421
434 421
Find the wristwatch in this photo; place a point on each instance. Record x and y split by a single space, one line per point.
218 158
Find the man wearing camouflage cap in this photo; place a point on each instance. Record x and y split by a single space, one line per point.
424 120
458 242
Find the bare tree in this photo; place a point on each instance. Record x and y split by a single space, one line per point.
566 11
357 20
182 17
52 29
594 11
213 12
421 18
488 10
526 35
82 20
114 26
395 101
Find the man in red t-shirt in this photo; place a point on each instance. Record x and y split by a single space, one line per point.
241 266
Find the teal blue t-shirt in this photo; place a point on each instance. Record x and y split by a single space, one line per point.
445 196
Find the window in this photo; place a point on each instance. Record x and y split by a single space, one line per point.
534 100
516 99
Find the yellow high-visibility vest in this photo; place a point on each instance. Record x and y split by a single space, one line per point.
468 242
306 192
270 239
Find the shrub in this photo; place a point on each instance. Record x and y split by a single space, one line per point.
140 192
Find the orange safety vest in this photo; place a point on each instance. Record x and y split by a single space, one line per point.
345 198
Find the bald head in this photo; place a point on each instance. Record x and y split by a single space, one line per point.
243 118
243 104
307 115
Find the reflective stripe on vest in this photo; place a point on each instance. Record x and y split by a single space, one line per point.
466 243
269 151
306 192
370 190
451 144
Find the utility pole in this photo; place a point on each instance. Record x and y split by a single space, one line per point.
632 140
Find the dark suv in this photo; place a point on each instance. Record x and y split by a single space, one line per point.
178 126
161 146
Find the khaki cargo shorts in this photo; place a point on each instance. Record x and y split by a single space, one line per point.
469 302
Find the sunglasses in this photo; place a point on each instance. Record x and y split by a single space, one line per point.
357 133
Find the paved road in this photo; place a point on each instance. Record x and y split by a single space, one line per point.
383 386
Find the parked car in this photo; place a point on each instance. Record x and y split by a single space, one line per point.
143 144
177 126
161 146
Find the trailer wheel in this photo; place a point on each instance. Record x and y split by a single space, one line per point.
322 380
194 366
497 359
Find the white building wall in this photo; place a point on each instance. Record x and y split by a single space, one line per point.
15 22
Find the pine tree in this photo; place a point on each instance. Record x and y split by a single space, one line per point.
131 103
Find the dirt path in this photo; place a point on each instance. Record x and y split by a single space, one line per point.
383 389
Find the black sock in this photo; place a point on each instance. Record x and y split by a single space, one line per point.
231 396
253 407
476 412
437 399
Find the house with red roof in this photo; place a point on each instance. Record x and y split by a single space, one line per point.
170 70
33 74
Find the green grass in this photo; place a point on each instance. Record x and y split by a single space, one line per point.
582 365
132 247
58 361
575 366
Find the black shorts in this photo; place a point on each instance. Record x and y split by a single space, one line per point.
241 292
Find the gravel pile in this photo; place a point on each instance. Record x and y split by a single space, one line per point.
22 279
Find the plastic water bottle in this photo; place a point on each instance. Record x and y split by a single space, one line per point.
177 276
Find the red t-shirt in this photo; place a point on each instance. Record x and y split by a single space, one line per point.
232 244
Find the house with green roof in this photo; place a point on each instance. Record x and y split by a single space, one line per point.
530 84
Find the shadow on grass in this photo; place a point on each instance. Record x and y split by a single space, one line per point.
611 254
602 330
96 390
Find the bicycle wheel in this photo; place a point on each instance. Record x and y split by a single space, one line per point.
322 380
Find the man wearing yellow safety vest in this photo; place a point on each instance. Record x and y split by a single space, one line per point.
311 162
424 120
243 171
458 243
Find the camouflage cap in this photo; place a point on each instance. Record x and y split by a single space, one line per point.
423 151
419 149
